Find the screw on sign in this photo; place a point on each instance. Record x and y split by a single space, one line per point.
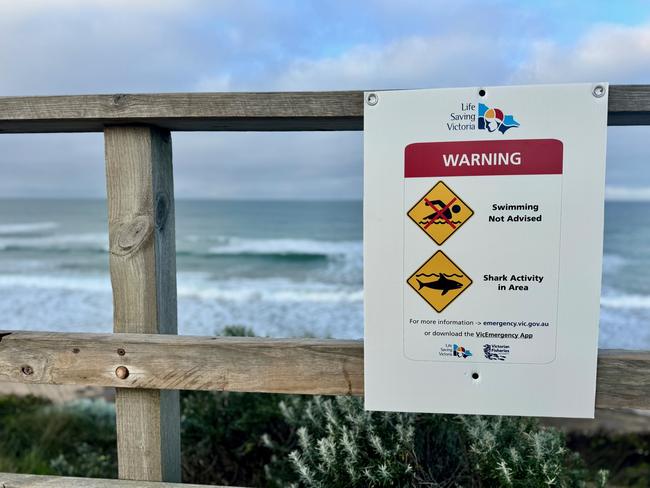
439 281
440 213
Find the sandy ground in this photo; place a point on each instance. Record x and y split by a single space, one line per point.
612 421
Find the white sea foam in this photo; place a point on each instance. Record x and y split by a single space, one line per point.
625 301
198 286
613 262
61 242
27 228
274 290
65 283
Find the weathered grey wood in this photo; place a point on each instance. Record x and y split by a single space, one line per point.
629 105
305 366
277 111
311 366
623 379
143 275
185 112
10 480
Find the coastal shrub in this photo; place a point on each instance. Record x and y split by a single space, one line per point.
222 433
41 438
278 440
248 439
517 452
90 438
222 436
341 445
625 454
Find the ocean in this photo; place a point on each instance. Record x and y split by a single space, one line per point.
284 269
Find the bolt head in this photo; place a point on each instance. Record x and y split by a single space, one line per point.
598 91
372 99
27 370
122 372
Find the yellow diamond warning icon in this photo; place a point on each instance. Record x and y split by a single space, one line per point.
439 281
440 213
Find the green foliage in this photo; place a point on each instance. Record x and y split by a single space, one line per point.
341 445
517 452
222 436
626 456
40 438
269 440
237 331
222 433
88 460
278 440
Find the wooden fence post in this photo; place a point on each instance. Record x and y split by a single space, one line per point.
143 275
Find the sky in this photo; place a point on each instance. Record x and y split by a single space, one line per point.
147 46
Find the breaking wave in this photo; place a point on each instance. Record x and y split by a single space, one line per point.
199 286
285 247
95 242
26 228
626 301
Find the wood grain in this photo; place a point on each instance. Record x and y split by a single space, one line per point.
11 480
185 111
276 111
305 366
623 379
143 274
629 105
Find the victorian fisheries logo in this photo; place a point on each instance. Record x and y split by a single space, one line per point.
496 352
493 119
461 352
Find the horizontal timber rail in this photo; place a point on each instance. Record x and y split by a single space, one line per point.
10 480
300 366
273 111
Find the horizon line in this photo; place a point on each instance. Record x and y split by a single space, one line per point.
198 199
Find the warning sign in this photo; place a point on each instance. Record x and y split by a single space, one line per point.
439 281
440 213
530 161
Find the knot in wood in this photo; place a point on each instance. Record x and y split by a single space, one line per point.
131 235
27 370
122 372
162 210
119 99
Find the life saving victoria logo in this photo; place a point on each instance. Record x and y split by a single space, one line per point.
481 117
493 119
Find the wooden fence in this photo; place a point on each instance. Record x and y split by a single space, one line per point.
145 360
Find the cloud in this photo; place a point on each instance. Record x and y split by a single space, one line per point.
52 165
605 52
413 62
112 46
98 47
301 165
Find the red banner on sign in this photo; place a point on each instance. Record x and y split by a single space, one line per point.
483 158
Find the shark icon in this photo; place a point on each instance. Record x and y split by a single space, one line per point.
442 283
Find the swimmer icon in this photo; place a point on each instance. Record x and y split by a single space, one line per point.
440 213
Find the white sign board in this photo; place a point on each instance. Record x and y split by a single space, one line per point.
483 228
